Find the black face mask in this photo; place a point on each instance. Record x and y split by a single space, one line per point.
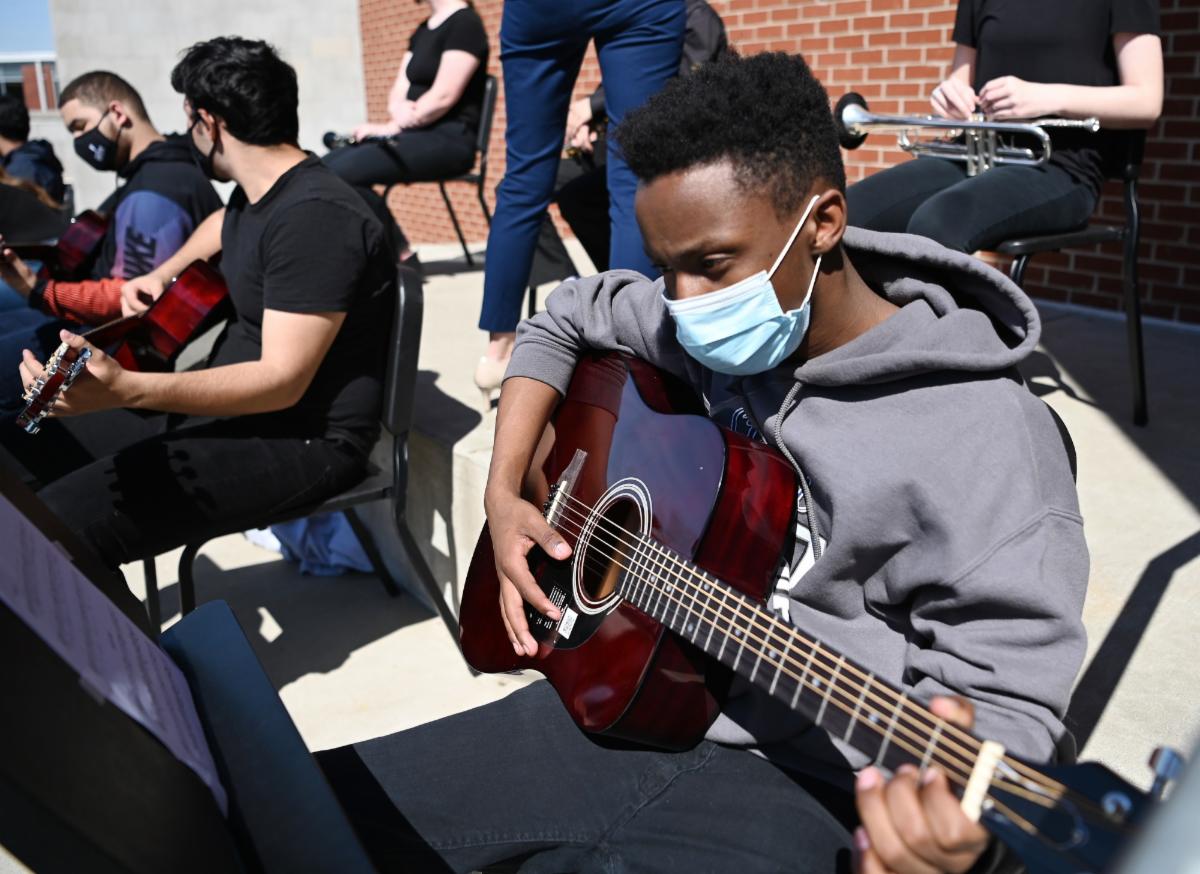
96 149
203 161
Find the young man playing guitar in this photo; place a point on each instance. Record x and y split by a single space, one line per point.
288 407
938 539
163 199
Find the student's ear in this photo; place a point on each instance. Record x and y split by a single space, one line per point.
117 110
829 213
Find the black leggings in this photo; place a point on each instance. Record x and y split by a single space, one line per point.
935 198
427 155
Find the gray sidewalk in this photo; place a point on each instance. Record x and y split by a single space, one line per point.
351 663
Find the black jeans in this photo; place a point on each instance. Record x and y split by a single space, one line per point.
132 488
426 155
518 780
935 198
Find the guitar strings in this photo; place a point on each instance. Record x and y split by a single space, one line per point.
909 710
951 765
1052 788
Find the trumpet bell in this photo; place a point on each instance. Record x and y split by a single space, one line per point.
848 138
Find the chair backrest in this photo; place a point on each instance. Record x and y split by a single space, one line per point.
400 377
483 139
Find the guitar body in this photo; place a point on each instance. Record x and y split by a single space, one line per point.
192 303
713 496
71 258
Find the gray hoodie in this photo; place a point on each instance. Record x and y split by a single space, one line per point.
953 555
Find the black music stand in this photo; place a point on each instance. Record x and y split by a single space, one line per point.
83 787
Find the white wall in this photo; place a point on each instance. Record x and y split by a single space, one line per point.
141 40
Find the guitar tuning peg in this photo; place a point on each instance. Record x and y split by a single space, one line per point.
1167 765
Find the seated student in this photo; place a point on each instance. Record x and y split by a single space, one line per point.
1084 58
28 214
434 108
22 157
886 364
288 407
163 200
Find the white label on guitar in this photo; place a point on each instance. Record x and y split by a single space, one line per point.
567 624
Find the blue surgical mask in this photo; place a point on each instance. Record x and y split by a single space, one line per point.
742 330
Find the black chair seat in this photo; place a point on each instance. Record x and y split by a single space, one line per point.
1092 235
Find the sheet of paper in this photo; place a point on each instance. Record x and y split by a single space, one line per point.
112 656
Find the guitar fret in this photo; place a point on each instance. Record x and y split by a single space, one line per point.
787 654
661 586
739 633
887 735
866 687
929 747
712 623
766 641
678 603
829 689
725 636
812 652
634 574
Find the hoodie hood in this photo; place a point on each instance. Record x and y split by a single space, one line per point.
985 324
174 148
39 151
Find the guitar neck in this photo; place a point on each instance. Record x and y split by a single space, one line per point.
842 697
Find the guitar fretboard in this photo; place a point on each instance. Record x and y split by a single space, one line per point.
839 695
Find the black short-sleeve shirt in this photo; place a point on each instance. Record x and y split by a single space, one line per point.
310 245
1061 41
462 31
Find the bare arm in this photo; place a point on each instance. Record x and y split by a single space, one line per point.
455 70
955 96
293 347
1135 103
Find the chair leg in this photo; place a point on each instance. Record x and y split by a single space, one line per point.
153 611
372 550
417 561
187 580
1133 328
454 221
1016 270
487 213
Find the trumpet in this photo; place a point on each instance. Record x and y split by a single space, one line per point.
975 142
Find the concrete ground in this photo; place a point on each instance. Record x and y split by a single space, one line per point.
351 663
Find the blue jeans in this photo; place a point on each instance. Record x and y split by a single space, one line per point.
517 779
934 197
542 44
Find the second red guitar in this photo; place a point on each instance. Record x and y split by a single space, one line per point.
148 341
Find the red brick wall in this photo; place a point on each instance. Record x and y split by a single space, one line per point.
893 52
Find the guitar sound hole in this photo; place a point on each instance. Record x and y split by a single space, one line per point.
610 550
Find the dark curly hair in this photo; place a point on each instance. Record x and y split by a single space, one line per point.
244 83
765 113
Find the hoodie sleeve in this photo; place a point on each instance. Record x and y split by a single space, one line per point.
618 311
149 228
1008 634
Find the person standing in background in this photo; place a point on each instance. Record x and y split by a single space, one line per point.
542 44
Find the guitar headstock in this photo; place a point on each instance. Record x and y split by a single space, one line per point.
1063 819
60 372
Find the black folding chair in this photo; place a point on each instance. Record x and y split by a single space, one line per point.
1128 234
388 483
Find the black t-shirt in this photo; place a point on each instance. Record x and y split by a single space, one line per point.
462 31
1061 41
310 245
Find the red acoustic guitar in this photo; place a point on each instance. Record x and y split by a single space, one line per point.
148 341
677 526
70 259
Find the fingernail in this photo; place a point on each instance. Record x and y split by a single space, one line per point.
554 613
861 841
868 778
906 769
929 776
560 550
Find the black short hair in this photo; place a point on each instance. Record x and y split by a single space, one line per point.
765 113
99 88
14 118
246 84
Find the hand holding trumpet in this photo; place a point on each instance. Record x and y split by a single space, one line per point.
1004 97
